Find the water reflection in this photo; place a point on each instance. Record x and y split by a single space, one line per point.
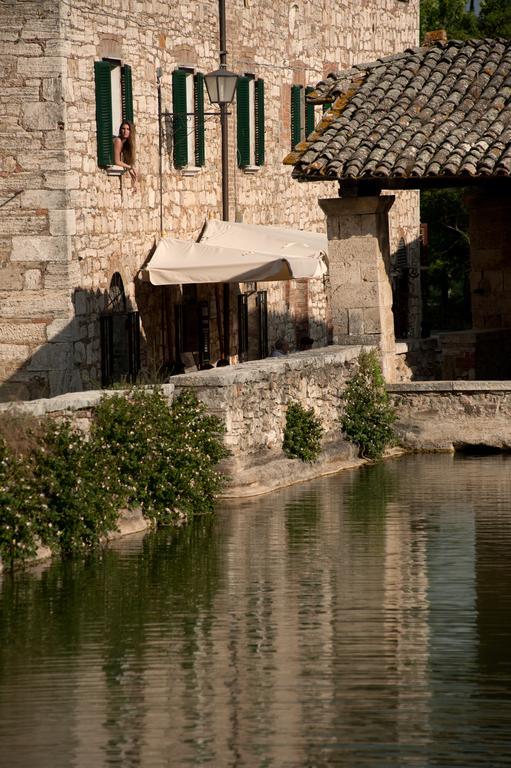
360 620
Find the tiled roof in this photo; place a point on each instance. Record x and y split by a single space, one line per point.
442 111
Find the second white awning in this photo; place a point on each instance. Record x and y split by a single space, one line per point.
238 253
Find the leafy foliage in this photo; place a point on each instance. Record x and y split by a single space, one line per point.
18 530
446 282
78 489
302 435
495 18
67 491
166 458
368 415
450 15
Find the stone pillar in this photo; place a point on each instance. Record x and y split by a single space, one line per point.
359 258
490 258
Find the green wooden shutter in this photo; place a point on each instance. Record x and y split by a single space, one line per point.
259 122
296 115
326 106
310 117
104 113
180 124
127 93
243 121
200 149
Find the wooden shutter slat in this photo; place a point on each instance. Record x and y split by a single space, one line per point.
180 123
200 146
104 129
296 115
259 122
310 117
243 121
127 93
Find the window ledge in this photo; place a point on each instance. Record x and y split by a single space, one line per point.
191 170
115 170
250 169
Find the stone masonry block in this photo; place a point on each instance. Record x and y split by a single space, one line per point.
11 278
42 66
66 180
355 322
32 279
41 116
14 224
372 320
41 248
31 334
62 222
36 304
44 198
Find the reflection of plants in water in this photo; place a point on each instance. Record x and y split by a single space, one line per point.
302 518
110 599
371 489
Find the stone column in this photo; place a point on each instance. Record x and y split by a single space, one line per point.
359 258
490 258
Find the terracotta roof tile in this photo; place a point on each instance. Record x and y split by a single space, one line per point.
444 110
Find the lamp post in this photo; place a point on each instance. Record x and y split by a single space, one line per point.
221 87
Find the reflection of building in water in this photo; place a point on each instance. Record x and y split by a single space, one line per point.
406 623
296 628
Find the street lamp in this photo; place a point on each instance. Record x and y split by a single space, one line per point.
221 86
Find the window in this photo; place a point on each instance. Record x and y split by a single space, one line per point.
120 338
302 114
188 116
250 121
114 103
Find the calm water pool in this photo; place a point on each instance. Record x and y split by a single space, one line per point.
358 620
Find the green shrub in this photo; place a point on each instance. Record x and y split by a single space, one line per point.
166 457
78 490
302 435
368 415
68 491
18 501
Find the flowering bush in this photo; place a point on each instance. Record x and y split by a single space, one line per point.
302 435
18 528
166 457
368 415
140 453
78 490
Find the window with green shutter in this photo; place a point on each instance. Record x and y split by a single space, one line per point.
259 121
296 115
188 118
310 117
303 117
114 103
200 145
243 121
250 121
103 113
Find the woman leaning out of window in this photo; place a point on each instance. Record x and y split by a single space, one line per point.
124 148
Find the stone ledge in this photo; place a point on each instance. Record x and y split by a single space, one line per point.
258 370
416 387
72 401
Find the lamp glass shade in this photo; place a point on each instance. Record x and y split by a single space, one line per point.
221 86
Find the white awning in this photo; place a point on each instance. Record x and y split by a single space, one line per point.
238 253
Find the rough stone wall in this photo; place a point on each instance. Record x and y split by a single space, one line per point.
490 259
445 415
73 226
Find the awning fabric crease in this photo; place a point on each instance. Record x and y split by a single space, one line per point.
238 253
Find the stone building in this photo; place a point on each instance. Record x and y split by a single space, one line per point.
75 232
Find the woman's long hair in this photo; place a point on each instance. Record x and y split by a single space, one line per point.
128 147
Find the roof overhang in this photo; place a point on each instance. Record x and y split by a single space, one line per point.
238 253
